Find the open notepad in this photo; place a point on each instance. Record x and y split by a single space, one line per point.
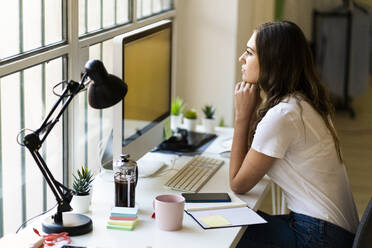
223 214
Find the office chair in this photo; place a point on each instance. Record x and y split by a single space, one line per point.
363 235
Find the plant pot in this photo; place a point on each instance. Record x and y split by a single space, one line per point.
190 124
176 121
80 203
209 125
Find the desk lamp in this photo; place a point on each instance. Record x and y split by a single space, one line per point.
105 90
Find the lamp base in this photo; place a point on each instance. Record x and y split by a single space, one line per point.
74 224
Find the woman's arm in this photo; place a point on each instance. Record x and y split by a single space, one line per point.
254 166
247 166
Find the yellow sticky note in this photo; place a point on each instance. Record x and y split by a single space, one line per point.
215 221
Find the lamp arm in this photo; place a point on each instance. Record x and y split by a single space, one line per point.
63 198
46 122
33 142
72 89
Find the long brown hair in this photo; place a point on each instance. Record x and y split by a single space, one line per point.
287 67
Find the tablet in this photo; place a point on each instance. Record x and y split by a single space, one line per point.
206 197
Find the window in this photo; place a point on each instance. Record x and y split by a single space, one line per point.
95 124
39 49
30 25
98 14
146 8
24 99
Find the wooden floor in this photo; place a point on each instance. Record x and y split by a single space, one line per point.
356 142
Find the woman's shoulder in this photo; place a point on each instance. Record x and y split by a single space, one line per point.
290 105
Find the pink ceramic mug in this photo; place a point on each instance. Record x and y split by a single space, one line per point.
169 212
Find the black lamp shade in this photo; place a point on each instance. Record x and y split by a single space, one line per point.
106 89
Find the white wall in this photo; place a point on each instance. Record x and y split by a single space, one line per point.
211 34
250 14
205 54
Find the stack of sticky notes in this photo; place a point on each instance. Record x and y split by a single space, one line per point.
122 218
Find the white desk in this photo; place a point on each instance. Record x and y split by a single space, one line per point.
146 233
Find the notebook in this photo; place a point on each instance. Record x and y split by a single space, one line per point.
226 217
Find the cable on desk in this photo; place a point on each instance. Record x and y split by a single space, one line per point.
24 223
173 163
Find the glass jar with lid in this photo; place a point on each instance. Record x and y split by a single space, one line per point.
126 176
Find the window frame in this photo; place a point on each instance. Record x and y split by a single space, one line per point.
76 50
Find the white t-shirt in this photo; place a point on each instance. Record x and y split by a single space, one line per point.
308 170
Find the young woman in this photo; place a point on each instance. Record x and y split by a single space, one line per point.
291 138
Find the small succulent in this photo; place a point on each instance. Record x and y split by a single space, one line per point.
222 122
209 111
177 106
191 114
82 182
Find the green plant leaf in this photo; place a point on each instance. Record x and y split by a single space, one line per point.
191 114
221 123
209 111
82 181
177 106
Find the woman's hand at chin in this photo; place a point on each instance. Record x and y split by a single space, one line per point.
247 99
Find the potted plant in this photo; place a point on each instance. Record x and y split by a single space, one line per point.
209 121
82 190
190 119
222 122
177 108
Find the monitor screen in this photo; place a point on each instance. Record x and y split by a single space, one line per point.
147 73
142 58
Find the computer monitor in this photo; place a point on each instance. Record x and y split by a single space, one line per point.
142 58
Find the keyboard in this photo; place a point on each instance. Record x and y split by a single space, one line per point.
194 174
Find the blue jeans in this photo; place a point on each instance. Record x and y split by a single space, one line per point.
295 230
